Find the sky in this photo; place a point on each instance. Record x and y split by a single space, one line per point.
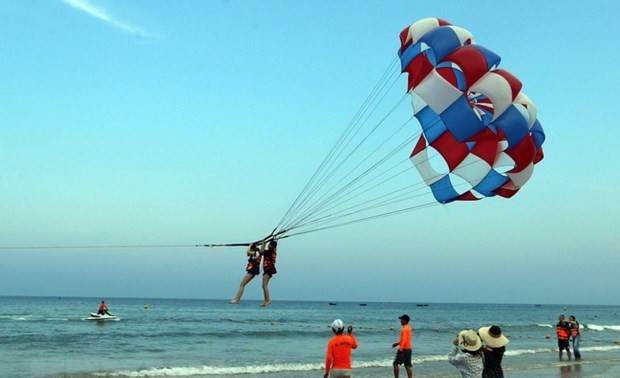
191 122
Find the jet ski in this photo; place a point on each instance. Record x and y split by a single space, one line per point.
102 317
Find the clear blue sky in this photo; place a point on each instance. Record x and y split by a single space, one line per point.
188 122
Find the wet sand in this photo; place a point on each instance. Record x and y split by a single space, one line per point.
568 369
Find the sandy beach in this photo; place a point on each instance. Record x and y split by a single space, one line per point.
582 369
571 370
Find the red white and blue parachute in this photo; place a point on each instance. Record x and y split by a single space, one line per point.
476 121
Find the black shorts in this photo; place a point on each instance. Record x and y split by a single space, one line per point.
254 271
403 358
563 344
269 270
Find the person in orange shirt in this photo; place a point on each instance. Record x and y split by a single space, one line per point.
563 331
403 355
338 356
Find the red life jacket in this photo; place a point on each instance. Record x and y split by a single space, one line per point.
574 330
253 261
269 257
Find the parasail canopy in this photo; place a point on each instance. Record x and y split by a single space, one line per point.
480 135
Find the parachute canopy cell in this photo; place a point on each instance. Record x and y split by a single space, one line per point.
480 135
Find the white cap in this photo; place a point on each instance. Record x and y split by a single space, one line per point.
337 325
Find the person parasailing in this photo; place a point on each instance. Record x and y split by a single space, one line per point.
252 270
269 267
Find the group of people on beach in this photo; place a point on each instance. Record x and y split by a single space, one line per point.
267 253
568 331
474 354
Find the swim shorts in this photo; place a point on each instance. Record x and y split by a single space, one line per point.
340 373
269 270
253 269
403 358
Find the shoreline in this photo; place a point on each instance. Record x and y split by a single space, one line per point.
564 369
574 369
346 302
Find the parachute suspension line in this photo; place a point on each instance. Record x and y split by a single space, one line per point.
296 204
334 170
132 246
329 171
336 150
372 217
347 192
337 193
388 199
379 200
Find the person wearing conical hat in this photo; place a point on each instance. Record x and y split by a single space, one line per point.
466 355
493 351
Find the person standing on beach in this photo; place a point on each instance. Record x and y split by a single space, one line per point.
269 267
575 334
338 356
403 355
252 270
468 358
563 332
493 351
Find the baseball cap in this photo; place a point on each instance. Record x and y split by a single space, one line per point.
337 325
405 317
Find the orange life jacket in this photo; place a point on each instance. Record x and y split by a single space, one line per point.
563 331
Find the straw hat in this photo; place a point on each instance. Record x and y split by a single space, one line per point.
492 336
469 340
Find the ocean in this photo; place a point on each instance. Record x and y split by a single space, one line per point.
48 337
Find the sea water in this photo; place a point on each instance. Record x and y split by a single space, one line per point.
48 337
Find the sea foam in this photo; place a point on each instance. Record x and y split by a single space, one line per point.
595 327
204 370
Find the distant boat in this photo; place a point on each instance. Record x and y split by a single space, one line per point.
332 303
362 304
422 305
